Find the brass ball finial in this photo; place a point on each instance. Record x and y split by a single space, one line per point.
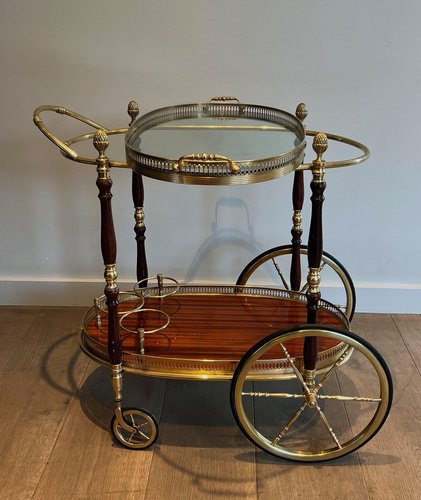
320 144
101 142
133 110
301 112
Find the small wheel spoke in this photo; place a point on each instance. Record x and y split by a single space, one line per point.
328 426
278 270
273 395
142 434
339 397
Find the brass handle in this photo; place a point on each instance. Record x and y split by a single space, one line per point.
64 147
203 158
224 98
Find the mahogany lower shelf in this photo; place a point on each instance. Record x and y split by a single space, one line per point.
210 329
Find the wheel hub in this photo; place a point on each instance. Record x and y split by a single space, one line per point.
311 399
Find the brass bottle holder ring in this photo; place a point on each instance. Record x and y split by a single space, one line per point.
101 302
141 311
163 290
141 332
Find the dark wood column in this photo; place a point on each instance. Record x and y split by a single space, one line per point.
139 228
297 203
296 231
108 246
315 247
138 195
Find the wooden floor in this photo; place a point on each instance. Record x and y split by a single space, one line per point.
55 408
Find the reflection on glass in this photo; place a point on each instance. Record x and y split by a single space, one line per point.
237 139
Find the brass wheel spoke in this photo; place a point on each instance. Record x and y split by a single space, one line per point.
278 270
339 397
329 428
296 370
142 434
290 423
284 395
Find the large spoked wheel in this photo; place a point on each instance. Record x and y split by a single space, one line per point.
272 268
144 429
290 415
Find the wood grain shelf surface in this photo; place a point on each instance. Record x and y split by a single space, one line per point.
210 326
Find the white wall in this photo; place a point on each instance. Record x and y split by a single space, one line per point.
356 65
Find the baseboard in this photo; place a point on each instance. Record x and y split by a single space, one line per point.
73 292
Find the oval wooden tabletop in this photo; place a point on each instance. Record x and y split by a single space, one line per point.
210 326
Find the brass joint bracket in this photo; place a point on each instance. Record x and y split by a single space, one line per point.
313 280
110 275
139 217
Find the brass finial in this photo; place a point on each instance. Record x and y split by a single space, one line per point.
101 142
133 110
319 145
301 112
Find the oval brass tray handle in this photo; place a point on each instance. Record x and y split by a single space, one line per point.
195 160
224 98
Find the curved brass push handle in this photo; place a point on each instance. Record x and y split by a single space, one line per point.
196 160
340 163
67 150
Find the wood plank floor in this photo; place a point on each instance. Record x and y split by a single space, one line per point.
55 408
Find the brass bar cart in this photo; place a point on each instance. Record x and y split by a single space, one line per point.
303 386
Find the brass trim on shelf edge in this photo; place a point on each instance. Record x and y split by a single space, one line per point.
204 373
207 369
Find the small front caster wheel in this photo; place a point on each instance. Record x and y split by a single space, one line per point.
144 429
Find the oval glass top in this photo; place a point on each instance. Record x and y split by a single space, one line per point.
215 143
238 139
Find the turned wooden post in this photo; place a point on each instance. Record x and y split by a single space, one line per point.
139 216
315 247
297 202
108 246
